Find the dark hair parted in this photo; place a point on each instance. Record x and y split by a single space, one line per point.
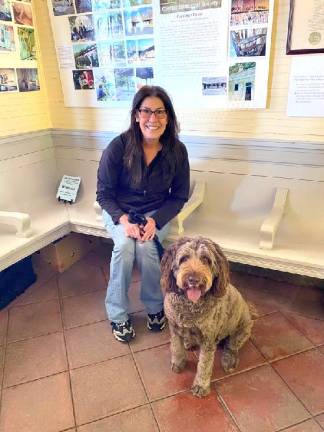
169 140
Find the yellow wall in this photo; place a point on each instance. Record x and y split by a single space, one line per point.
25 112
270 123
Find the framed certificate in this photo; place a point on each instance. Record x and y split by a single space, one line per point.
305 27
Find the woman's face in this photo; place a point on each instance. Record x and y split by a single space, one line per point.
152 119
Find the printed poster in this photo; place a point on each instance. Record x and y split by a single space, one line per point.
211 54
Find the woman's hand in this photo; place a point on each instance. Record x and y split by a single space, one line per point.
131 230
149 230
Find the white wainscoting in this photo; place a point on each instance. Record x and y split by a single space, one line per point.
243 182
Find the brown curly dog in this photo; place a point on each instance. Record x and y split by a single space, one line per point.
202 307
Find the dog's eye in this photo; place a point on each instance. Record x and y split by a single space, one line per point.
183 259
206 260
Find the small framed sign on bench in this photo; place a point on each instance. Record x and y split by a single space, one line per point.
68 189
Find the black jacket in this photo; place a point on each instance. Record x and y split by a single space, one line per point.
159 190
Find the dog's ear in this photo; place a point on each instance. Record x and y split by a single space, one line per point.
168 281
222 279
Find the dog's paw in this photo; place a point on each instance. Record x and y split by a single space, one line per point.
178 367
200 391
229 360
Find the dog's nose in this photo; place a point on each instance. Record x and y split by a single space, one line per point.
193 280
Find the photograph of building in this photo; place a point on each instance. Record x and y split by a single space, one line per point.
241 85
214 86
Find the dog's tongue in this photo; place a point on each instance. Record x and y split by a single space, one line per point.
193 294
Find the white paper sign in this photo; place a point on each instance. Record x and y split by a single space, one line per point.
68 188
306 87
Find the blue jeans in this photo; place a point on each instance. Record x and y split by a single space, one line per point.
126 251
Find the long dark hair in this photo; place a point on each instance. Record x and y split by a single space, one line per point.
169 140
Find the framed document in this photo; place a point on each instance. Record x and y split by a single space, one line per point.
305 27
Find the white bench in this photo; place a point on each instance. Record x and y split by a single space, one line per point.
40 219
270 221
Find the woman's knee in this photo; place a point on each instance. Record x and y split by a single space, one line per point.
146 249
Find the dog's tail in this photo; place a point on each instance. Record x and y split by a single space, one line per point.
253 311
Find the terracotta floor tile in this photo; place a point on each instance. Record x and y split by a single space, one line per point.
307 426
320 420
145 338
106 388
3 325
276 337
81 279
137 420
304 374
308 302
38 293
84 309
185 412
43 405
92 343
312 328
159 380
255 290
249 357
260 401
34 358
34 320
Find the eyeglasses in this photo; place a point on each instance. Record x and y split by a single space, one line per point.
147 112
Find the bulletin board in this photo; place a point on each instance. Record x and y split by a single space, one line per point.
18 53
212 54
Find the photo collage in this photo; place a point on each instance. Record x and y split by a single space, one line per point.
112 44
17 47
247 46
248 28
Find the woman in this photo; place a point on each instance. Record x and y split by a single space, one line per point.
145 170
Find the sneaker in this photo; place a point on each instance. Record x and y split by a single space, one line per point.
156 322
123 331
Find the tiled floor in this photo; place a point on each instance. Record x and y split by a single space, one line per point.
61 369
